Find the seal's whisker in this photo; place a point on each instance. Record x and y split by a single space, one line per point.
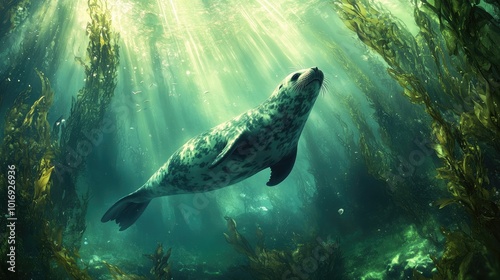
324 87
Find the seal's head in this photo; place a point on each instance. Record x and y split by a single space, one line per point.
299 90
302 81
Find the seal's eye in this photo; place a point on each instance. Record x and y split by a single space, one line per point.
295 77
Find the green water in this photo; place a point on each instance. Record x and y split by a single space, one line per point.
362 201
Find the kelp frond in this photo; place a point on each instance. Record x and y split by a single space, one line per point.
468 74
277 264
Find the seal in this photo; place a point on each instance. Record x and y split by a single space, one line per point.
266 136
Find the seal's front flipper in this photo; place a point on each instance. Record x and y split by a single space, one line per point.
127 210
231 145
280 170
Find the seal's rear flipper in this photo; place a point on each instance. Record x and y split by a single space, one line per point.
127 210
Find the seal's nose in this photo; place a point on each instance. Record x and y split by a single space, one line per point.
317 73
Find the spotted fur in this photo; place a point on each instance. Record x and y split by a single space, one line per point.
263 137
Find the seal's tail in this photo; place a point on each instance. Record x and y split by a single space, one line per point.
127 210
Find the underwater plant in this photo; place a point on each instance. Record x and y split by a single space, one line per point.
161 267
56 222
468 76
314 259
117 273
86 116
27 146
12 13
387 151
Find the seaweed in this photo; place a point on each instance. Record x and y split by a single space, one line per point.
56 224
65 258
464 257
27 146
160 270
471 36
12 13
86 115
118 274
385 148
468 75
161 267
313 259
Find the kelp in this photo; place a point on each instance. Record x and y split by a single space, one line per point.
87 110
161 267
469 30
471 36
86 115
12 13
374 156
26 142
65 258
469 77
463 258
312 259
27 145
385 149
160 270
118 274
42 186
238 241
56 225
